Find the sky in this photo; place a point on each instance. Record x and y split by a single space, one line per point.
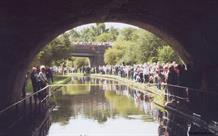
108 24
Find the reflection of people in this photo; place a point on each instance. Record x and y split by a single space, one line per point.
165 132
160 115
162 130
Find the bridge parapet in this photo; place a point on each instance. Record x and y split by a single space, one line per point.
95 51
80 47
108 44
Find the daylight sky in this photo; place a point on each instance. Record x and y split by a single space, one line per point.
109 24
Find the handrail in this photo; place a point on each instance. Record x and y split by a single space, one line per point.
193 89
14 104
27 97
183 87
82 84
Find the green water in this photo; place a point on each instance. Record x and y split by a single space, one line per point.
90 107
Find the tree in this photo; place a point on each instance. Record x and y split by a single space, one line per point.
87 35
127 34
54 50
81 61
74 36
166 54
66 39
100 29
114 32
147 46
130 54
105 37
112 56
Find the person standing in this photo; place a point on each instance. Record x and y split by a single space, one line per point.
49 75
43 82
172 80
34 81
146 73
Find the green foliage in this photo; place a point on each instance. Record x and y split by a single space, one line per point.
105 37
127 34
57 79
130 46
136 46
80 61
54 50
166 54
112 56
74 35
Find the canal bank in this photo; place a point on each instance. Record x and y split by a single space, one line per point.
58 79
61 79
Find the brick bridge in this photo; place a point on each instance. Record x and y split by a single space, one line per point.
94 51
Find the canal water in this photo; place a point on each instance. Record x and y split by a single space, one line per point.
99 107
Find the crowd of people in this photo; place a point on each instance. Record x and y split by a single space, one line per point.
153 73
157 73
40 77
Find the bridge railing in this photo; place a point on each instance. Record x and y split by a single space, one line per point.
29 106
93 43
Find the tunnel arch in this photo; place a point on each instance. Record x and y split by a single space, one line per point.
31 25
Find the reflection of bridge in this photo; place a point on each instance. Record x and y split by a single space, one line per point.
94 51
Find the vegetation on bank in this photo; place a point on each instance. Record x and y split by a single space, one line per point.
61 79
58 79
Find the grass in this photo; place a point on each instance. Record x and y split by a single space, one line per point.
58 79
61 79
29 87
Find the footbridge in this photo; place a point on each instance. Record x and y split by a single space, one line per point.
94 51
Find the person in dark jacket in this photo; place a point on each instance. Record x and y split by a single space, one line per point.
172 80
49 75
35 81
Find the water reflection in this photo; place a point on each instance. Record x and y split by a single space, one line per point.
103 109
88 109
